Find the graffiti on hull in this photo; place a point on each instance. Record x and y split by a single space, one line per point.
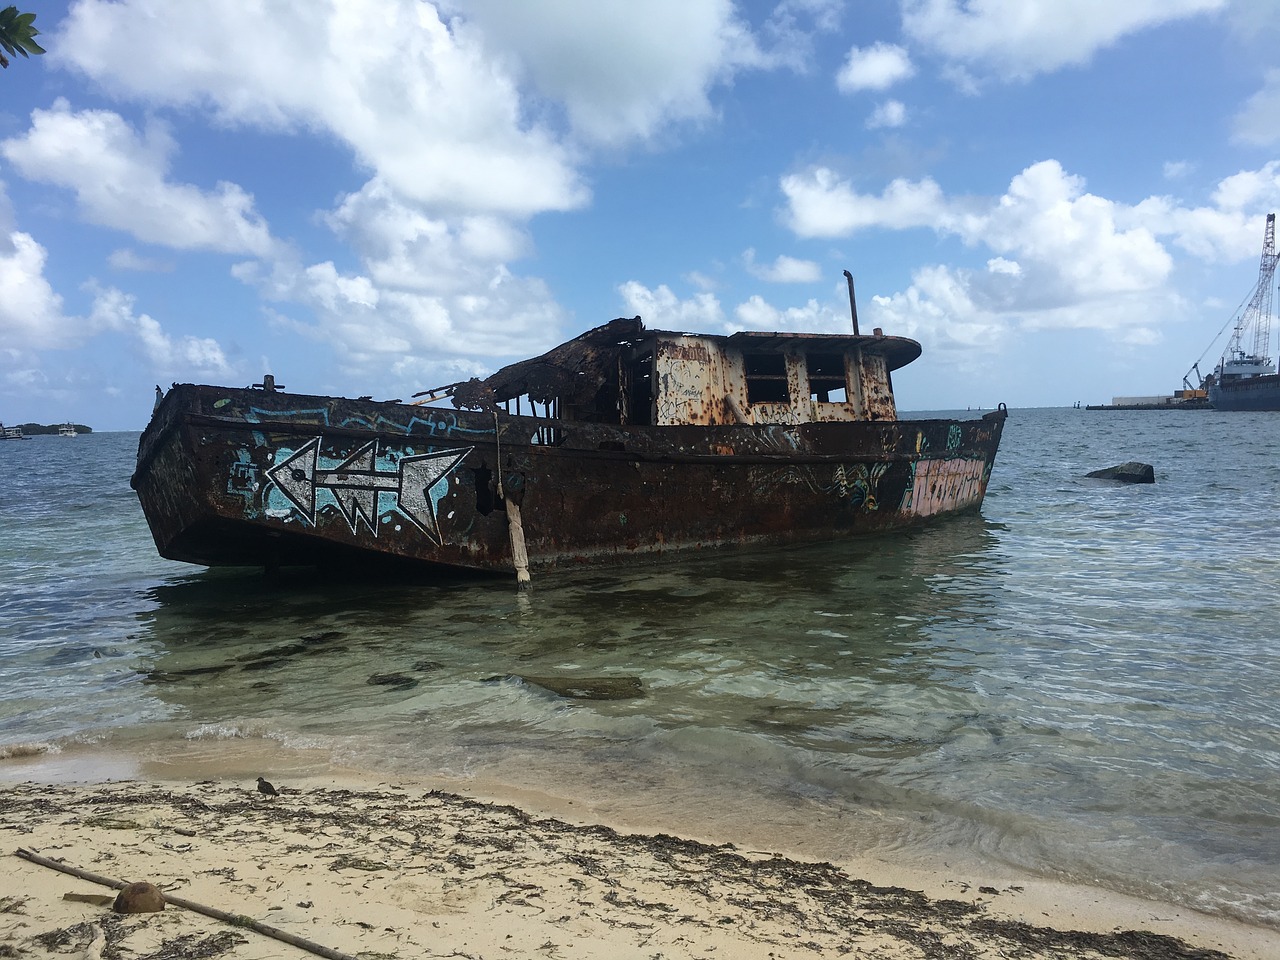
856 483
860 485
415 484
941 485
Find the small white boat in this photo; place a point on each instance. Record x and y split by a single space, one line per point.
11 433
67 430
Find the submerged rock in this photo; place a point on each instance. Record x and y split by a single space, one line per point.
1131 472
590 688
397 681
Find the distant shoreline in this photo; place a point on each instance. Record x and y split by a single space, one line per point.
49 429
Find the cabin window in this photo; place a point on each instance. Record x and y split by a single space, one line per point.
640 389
826 377
766 377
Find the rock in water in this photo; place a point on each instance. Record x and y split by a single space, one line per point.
589 688
1131 472
141 897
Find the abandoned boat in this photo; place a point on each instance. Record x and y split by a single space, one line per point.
623 442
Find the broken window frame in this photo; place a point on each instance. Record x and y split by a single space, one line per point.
821 370
766 377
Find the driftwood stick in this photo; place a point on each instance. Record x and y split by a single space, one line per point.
247 923
74 871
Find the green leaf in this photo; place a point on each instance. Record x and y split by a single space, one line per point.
17 34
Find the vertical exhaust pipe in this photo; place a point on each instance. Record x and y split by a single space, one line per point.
853 304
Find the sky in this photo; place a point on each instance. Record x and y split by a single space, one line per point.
1062 201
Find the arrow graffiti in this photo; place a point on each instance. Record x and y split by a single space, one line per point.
356 484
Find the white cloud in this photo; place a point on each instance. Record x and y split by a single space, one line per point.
405 248
703 313
891 113
938 308
168 357
755 313
1258 122
877 67
418 101
968 323
1215 235
787 34
1069 239
784 269
1062 258
468 119
1177 169
30 311
622 72
32 317
428 96
1250 188
430 287
700 280
663 310
119 179
1017 39
820 204
1228 231
7 223
126 259
376 329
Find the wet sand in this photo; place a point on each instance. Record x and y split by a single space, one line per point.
361 868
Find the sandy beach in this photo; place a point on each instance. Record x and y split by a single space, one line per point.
374 870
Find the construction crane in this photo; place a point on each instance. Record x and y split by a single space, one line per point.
1253 316
1257 314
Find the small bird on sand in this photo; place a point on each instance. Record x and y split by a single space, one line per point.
268 789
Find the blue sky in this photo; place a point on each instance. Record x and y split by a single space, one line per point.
1060 201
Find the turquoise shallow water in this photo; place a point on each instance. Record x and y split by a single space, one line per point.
1079 683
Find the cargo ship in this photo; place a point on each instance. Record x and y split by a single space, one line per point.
1246 379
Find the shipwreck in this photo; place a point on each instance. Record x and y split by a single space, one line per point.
622 443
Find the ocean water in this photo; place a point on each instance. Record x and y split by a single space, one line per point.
1078 683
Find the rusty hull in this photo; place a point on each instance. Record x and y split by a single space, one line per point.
231 476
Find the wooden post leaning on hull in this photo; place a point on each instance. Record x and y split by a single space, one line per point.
515 523
519 556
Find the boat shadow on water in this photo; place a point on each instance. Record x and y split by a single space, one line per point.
767 641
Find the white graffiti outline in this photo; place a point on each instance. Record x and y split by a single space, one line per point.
356 484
